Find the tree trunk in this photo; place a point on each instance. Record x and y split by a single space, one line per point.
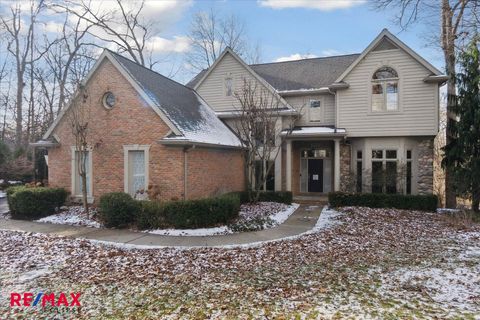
448 47
84 193
19 116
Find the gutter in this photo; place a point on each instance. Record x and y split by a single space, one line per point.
236 114
179 143
287 93
441 79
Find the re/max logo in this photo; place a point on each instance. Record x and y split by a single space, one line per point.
42 299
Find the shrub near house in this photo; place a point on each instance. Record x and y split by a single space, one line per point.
34 203
118 209
380 200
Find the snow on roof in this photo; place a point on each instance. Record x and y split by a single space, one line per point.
189 113
308 131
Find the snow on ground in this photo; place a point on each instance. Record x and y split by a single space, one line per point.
2 194
362 263
259 216
73 216
328 219
191 232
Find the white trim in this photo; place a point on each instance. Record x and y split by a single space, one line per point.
135 147
105 54
73 174
396 41
250 70
336 165
289 165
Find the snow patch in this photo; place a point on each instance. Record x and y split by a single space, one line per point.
191 232
2 195
328 219
73 216
247 212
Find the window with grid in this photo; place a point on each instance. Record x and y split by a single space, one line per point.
384 171
385 90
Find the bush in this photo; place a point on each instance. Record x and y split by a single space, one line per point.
380 200
151 215
118 209
285 197
34 203
188 214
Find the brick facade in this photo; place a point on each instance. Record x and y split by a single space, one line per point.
132 121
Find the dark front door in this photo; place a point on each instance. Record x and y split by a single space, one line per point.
315 175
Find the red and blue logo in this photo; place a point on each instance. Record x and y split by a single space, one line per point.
28 299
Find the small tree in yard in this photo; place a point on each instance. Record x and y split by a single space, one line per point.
462 153
259 113
78 117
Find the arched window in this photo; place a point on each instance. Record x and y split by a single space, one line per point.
385 90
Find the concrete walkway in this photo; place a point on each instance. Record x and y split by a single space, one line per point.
302 220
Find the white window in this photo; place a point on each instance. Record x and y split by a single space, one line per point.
385 90
228 86
316 110
81 160
135 168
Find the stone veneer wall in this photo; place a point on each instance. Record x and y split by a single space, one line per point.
425 167
345 167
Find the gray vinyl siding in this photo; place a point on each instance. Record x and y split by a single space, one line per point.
302 104
212 89
418 101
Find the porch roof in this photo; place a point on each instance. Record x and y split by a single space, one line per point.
320 131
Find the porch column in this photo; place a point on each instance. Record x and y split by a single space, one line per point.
289 165
336 166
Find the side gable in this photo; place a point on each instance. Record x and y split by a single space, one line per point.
107 55
387 39
211 85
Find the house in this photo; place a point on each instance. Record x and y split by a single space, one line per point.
144 130
364 122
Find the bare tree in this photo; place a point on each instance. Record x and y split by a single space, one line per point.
20 45
258 126
78 116
122 24
211 33
459 21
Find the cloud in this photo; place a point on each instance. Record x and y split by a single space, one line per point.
322 5
295 56
178 44
331 52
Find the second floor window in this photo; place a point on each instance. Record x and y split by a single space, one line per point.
315 110
385 90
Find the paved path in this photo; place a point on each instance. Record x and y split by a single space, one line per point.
302 220
3 206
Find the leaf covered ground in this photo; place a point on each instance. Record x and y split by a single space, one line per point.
376 263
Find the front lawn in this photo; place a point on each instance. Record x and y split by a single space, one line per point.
376 263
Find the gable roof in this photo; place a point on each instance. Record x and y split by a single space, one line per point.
385 34
189 117
204 74
313 73
317 73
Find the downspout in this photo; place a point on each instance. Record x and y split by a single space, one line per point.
185 170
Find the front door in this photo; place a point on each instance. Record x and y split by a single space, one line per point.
315 175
